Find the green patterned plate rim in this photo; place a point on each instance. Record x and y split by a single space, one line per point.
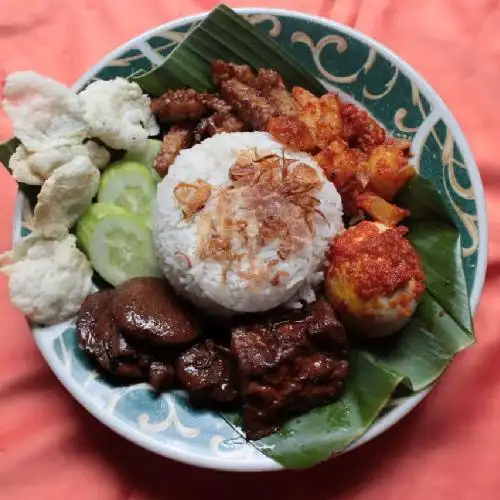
362 70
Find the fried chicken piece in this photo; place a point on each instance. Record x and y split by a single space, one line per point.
250 105
179 137
320 114
223 71
339 162
360 129
178 105
329 126
217 123
346 168
272 86
309 112
292 132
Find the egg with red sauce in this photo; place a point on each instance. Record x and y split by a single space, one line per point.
375 279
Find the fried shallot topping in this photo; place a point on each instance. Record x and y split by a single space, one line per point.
245 171
192 197
271 199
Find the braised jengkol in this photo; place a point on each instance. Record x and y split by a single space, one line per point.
126 330
277 365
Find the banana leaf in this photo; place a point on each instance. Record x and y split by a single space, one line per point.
7 149
223 34
442 325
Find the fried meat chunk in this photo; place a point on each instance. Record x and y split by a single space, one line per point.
216 124
223 71
179 137
288 366
250 105
273 88
179 105
291 131
208 372
320 114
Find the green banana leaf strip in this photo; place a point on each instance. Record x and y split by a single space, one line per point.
424 201
6 151
444 275
223 34
423 349
431 229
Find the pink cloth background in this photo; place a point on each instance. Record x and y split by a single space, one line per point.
51 449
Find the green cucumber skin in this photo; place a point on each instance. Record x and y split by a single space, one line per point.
92 225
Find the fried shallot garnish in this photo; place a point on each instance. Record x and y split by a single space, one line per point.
301 179
244 172
216 248
192 197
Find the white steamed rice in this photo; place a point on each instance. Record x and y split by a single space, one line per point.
202 281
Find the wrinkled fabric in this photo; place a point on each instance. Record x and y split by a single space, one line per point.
449 446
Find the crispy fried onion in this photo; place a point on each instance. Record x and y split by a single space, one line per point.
270 199
192 197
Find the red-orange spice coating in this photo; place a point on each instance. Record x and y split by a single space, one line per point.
377 263
360 129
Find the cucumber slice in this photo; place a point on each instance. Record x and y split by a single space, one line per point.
146 156
130 185
118 244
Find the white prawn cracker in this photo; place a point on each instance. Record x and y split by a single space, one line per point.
35 168
48 279
22 169
45 114
118 113
65 196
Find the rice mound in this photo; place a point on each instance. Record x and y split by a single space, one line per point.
242 283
